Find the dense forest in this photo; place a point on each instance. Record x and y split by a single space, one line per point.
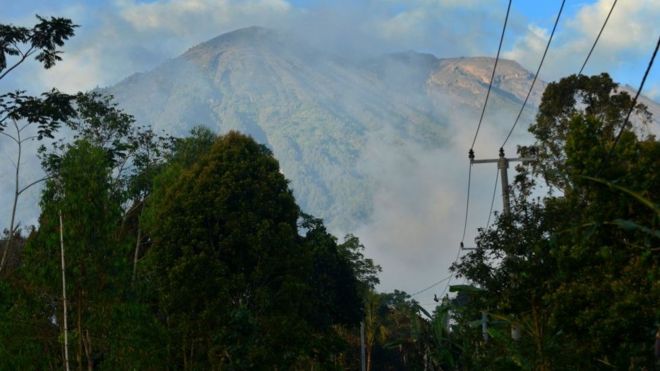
154 252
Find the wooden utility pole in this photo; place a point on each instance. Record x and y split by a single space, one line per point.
503 165
64 315
362 348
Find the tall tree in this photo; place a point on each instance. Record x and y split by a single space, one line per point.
226 261
96 260
30 117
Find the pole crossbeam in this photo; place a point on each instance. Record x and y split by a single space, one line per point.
503 165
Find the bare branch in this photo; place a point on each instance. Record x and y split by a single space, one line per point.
120 169
24 126
33 183
23 58
9 136
12 161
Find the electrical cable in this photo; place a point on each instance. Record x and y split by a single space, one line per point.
634 102
467 203
545 52
597 38
492 76
444 291
492 200
471 152
430 286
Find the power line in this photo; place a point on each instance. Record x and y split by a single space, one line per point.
471 152
444 291
467 208
634 102
492 200
545 52
467 203
492 76
597 38
430 287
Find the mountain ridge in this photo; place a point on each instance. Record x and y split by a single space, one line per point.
319 112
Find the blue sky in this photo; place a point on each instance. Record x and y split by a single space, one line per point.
121 37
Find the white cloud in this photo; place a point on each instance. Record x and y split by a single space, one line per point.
77 72
419 203
653 92
528 49
127 37
403 25
188 17
630 34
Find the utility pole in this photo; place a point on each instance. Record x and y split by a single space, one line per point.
64 315
503 166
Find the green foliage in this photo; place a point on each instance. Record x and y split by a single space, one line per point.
108 328
135 152
236 286
31 117
577 272
398 337
595 98
42 41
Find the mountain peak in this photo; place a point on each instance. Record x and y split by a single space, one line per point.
244 34
253 36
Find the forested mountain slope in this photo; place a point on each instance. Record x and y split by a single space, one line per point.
323 114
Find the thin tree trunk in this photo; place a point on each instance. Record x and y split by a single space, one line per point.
87 342
64 316
13 210
369 359
80 335
539 337
137 251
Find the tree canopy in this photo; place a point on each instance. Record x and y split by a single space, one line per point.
578 272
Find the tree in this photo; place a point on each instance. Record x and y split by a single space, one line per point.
597 97
234 275
226 262
339 280
515 270
606 305
31 117
577 271
97 265
43 39
82 192
136 153
397 336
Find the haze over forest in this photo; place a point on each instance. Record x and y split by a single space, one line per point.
303 185
372 134
370 118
